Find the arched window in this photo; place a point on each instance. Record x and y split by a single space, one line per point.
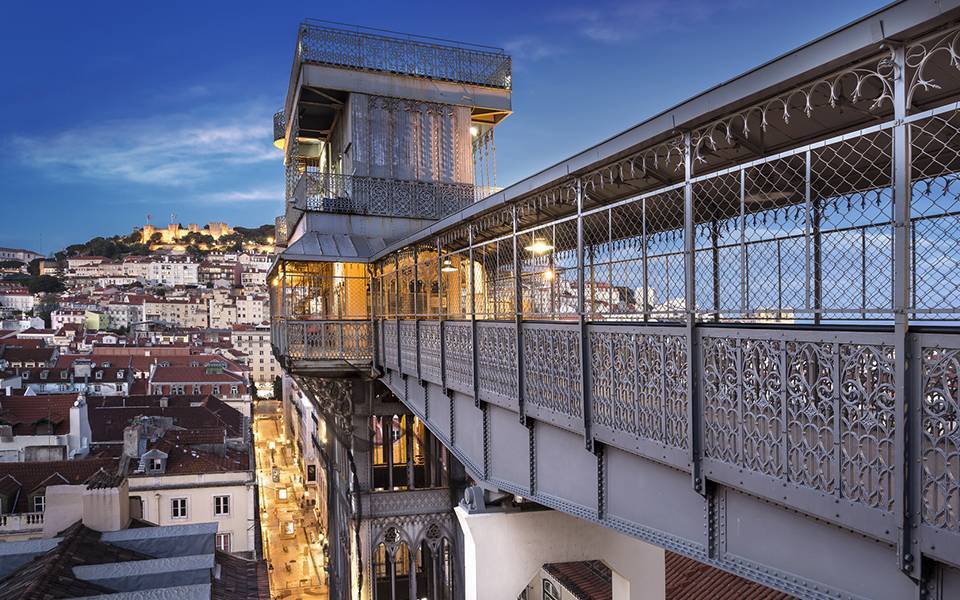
550 591
391 572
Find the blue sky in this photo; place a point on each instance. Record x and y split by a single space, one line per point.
110 111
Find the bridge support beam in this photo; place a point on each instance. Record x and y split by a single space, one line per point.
503 551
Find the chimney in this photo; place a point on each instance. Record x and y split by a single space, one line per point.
106 502
132 441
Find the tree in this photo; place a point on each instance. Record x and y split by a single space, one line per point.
45 284
46 305
277 388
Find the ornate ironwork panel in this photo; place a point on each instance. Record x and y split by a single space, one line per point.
761 409
940 440
329 340
458 362
430 350
675 391
552 377
364 195
631 388
811 404
409 55
408 346
721 398
390 344
497 362
867 424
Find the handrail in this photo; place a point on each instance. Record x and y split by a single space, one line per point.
418 56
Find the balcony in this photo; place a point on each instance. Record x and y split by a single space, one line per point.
384 51
21 523
316 340
320 314
362 195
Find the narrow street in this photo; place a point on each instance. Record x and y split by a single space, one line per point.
292 537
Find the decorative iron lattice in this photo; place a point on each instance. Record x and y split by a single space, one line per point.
390 357
552 376
935 215
497 362
940 439
279 126
409 55
836 394
632 392
458 350
430 350
328 340
548 277
850 227
811 388
408 346
361 195
495 284
718 220
280 230
867 391
868 86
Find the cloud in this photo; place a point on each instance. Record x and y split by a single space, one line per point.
531 48
626 21
172 150
258 194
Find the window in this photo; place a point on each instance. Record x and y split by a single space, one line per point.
39 503
221 505
196 389
178 508
216 390
223 542
234 390
550 591
156 464
177 389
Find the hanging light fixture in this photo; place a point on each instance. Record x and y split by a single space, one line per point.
549 274
539 245
448 267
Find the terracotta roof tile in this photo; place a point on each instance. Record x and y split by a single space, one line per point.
687 579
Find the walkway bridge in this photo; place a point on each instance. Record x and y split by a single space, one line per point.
731 331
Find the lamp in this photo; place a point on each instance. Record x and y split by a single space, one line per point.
549 274
447 266
539 245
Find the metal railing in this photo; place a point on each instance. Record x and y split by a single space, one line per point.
417 56
804 236
279 126
361 195
323 340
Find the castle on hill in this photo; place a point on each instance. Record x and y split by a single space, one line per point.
173 232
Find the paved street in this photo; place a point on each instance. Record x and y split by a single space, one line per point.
292 538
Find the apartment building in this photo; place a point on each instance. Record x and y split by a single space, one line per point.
16 299
254 341
175 312
173 271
